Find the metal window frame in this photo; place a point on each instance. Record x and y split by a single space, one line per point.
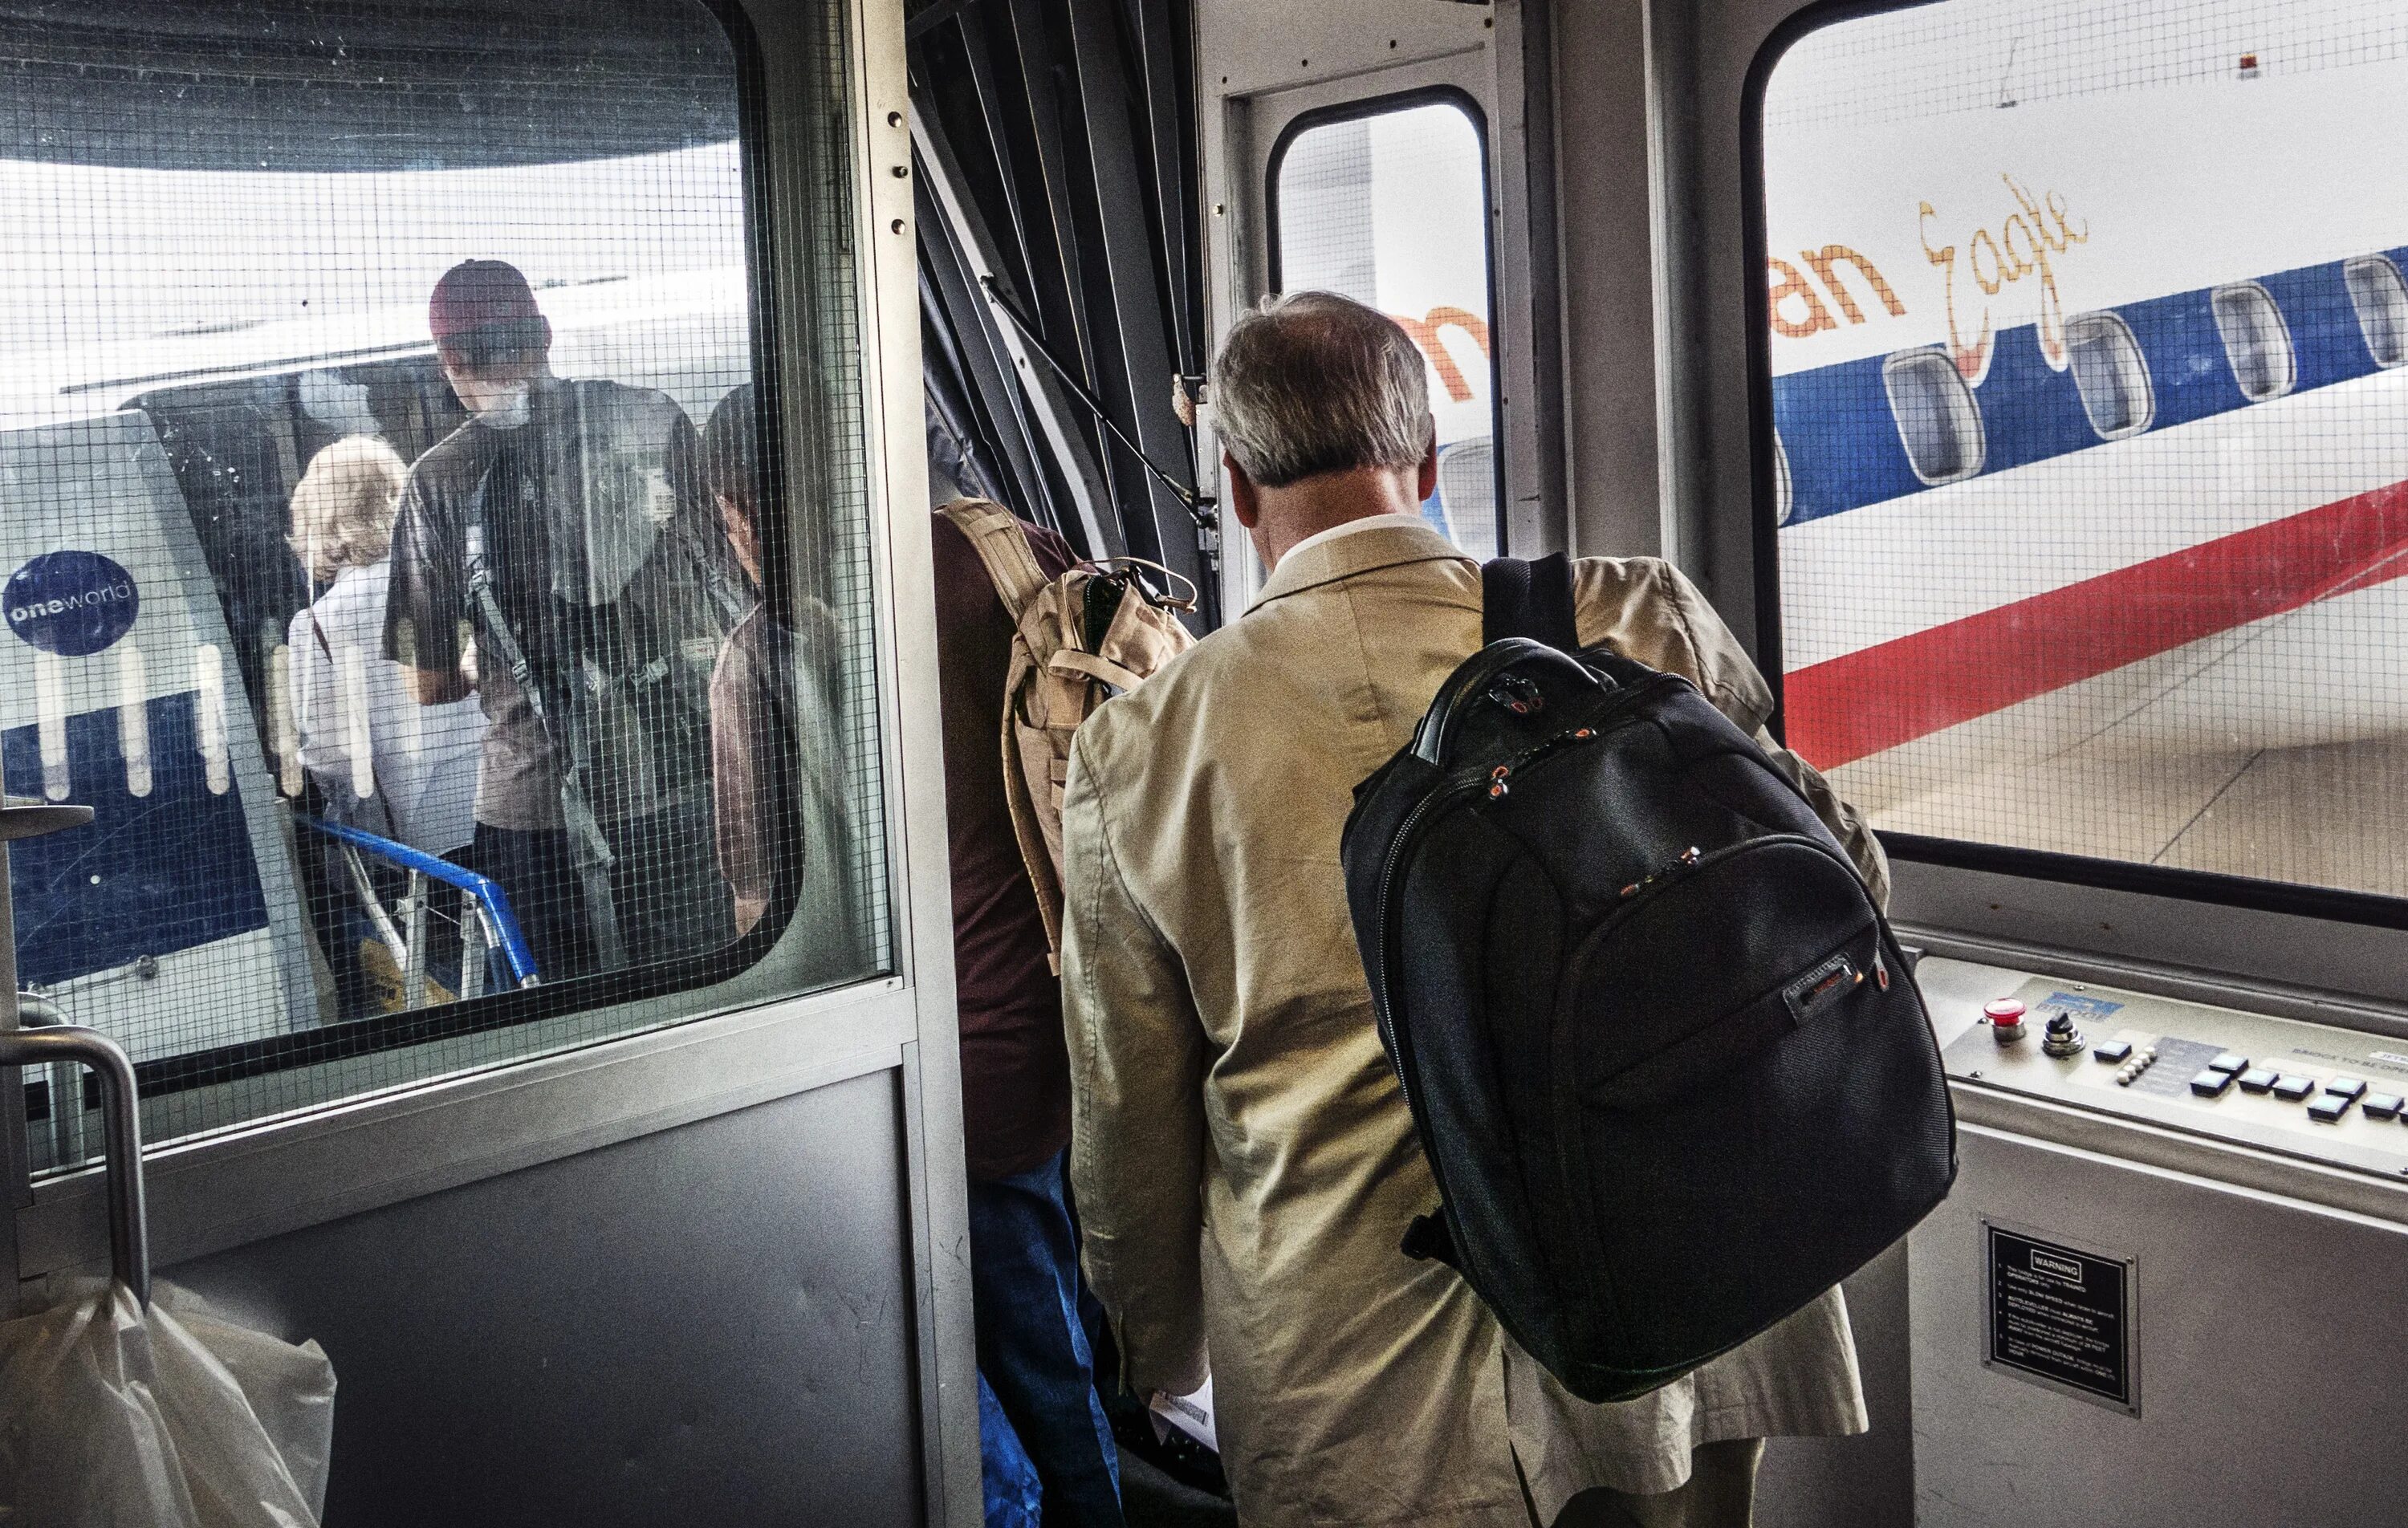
1386 104
2260 943
246 1182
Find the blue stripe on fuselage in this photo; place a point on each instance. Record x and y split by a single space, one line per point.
149 875
1843 444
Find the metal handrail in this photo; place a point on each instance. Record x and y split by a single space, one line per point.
486 893
129 1229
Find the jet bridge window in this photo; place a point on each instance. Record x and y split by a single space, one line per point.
2091 565
1386 202
400 559
2380 296
2257 341
2110 375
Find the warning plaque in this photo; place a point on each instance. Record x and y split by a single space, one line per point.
2062 1317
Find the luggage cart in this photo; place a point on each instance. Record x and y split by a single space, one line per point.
487 922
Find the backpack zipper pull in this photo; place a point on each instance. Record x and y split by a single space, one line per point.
1688 856
1881 969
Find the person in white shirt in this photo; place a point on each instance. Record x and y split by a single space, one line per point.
386 764
383 762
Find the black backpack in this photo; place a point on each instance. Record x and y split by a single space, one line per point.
1669 1067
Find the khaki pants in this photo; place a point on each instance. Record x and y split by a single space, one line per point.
1720 1493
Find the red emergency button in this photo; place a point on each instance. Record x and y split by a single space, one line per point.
2006 1017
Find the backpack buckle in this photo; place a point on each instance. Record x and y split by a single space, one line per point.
1518 693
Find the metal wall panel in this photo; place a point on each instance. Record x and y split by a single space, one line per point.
2269 1341
703 1326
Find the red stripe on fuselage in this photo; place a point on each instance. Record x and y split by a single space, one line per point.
1893 693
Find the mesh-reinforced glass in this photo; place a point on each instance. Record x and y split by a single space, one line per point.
2117 571
1390 209
390 509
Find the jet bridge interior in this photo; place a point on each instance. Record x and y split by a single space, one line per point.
2022 381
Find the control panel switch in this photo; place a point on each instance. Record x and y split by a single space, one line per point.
2347 1087
2230 1062
2382 1105
2294 1088
2259 1079
2211 1083
2113 1052
2328 1109
2063 1036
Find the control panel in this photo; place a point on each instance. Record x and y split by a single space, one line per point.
2338 1097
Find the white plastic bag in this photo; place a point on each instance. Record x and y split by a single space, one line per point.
112 1419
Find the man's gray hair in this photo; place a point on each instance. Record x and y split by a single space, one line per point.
1315 382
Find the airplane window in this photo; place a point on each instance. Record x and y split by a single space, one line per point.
2380 296
1784 497
2110 375
396 561
1937 419
2154 621
2257 341
1386 202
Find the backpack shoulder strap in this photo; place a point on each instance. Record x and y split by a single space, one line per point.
996 534
1532 599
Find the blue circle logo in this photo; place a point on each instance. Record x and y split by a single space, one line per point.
71 603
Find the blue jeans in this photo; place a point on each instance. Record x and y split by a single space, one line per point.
1033 1352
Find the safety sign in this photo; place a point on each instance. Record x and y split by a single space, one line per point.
2061 1316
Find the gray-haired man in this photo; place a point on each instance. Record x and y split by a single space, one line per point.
1243 1161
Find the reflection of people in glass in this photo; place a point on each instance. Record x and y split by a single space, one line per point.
565 526
380 762
767 712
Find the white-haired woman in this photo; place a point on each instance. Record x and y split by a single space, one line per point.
383 762
376 753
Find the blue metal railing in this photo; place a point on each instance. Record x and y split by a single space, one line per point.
482 890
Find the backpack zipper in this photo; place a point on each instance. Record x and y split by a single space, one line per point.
1496 782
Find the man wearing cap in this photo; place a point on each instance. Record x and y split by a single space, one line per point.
556 554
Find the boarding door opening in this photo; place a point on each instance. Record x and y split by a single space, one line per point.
1363 162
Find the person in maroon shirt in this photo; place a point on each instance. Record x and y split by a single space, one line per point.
1033 1354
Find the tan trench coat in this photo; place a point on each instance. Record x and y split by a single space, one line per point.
1242 1159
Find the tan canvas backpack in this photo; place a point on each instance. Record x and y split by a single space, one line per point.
1078 640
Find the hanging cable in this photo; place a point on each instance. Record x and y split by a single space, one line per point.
1203 508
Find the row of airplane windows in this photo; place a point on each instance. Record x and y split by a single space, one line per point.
1940 424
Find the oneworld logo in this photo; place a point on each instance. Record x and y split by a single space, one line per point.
71 603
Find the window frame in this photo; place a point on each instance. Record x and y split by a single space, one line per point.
1383 105
1785 491
2398 288
2107 320
270 1173
1975 452
2255 291
1970 869
637 1002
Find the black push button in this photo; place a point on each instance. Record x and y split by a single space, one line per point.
2257 1079
2295 1088
2347 1087
2230 1062
2211 1083
2329 1109
2114 1052
2382 1105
